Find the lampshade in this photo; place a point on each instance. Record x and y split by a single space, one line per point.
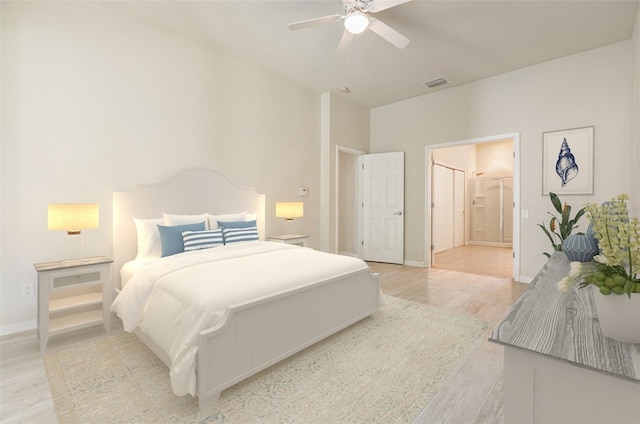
356 22
289 210
72 217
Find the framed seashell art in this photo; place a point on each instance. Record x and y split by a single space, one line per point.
567 161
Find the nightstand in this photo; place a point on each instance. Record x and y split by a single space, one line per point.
72 295
297 239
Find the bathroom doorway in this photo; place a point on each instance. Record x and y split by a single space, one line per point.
491 204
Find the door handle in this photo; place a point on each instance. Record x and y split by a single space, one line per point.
399 213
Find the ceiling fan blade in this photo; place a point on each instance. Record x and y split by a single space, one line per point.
379 5
343 47
315 21
388 33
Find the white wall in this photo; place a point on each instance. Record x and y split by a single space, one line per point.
460 157
635 118
590 88
95 100
495 159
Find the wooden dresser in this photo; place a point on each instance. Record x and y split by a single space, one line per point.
558 367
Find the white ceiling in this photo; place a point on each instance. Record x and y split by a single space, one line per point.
462 41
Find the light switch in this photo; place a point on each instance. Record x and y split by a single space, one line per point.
303 191
525 214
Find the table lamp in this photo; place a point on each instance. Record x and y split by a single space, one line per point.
73 218
289 211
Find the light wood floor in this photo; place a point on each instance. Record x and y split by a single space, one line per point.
482 260
473 394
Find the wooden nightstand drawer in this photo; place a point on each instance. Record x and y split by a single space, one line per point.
74 279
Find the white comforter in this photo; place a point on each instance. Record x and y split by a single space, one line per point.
174 298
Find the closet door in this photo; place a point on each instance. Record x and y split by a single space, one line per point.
458 208
442 208
507 210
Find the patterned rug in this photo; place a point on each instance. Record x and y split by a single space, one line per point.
383 369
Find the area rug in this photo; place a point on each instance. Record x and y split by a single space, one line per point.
383 369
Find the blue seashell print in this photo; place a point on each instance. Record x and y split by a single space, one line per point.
566 166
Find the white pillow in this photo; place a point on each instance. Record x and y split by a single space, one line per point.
172 220
226 217
148 237
251 217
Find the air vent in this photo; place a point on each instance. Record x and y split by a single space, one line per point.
436 82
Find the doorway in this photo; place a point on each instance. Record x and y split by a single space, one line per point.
347 201
481 158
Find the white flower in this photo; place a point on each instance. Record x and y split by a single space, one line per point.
576 265
602 259
576 269
564 284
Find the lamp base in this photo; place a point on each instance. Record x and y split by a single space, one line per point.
288 226
74 247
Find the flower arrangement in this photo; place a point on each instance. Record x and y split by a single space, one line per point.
615 269
564 224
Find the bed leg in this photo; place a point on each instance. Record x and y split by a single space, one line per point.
205 402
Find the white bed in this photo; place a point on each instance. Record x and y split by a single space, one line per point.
274 310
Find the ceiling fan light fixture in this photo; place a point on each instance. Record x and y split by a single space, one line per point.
356 22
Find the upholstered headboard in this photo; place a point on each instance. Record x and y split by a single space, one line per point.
192 191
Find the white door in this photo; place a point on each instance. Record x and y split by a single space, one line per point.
383 207
458 207
442 208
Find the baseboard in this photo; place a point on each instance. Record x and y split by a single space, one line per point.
488 243
18 328
524 279
407 263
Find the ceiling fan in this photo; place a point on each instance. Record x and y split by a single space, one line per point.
357 18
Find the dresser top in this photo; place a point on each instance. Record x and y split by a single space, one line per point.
565 326
71 263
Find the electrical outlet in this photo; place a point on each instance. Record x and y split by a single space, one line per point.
28 290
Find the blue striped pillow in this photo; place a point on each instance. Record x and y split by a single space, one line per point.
196 240
233 235
171 237
237 224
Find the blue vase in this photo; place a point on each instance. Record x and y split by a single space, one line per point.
580 247
592 234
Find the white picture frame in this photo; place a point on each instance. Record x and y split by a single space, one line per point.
567 161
